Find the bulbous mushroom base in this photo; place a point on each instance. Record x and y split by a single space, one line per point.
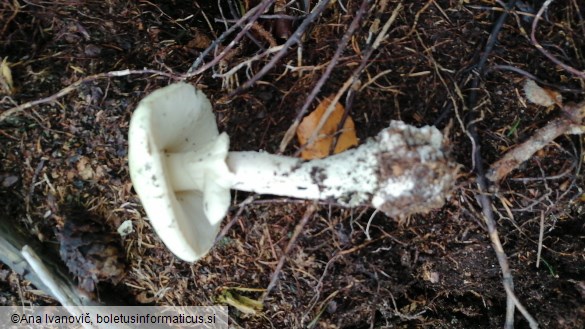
415 171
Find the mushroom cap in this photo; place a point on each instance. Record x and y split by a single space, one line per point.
178 119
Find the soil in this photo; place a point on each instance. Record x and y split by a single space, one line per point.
348 268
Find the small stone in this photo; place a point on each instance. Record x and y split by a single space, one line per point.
9 181
92 50
125 228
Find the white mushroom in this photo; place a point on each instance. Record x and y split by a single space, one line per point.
183 173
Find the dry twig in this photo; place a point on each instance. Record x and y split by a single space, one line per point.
535 78
62 290
341 45
298 229
483 198
569 123
347 84
246 20
536 44
63 92
294 39
241 208
540 238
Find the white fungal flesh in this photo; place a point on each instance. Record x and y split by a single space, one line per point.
178 120
348 178
192 170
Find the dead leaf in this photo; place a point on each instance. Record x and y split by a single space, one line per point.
6 83
9 180
144 297
541 96
320 148
200 41
84 169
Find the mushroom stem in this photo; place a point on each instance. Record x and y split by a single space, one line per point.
401 171
193 170
348 178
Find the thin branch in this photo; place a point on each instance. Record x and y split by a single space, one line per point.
351 93
482 196
540 238
297 232
63 292
334 61
355 75
249 18
536 44
348 83
533 77
569 123
63 92
247 62
295 38
241 208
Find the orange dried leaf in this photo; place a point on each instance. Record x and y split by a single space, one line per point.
541 96
325 137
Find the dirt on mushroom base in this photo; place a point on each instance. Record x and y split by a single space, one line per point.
440 264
